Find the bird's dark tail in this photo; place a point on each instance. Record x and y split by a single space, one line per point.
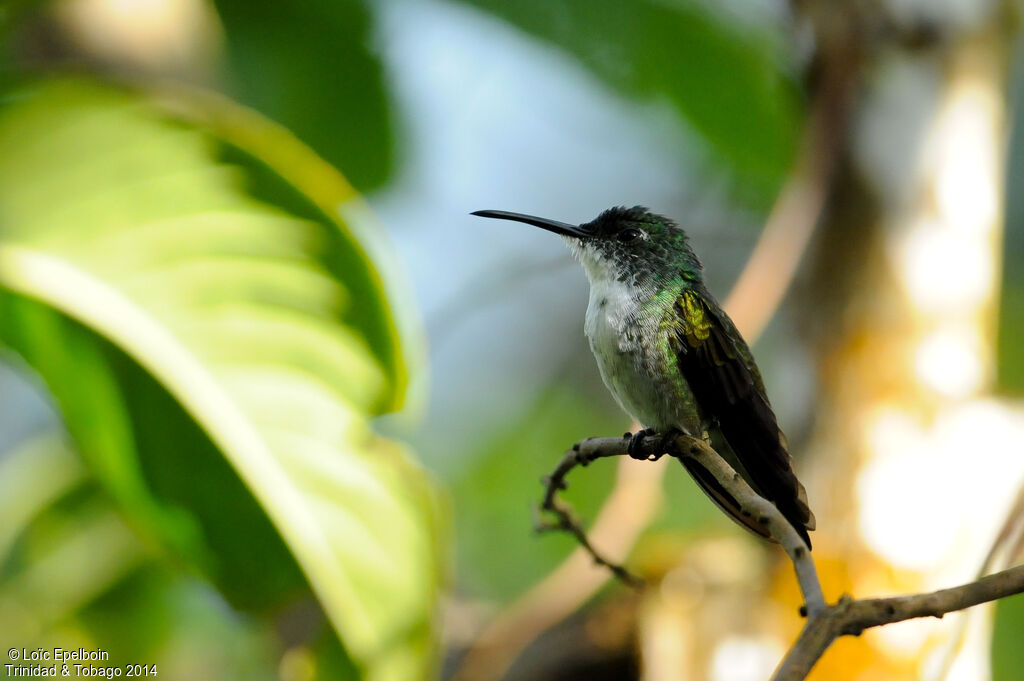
790 497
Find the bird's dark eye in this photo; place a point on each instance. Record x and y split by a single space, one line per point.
627 235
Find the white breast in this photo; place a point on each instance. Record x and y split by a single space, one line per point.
625 345
613 307
630 364
611 303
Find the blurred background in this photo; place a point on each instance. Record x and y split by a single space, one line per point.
274 406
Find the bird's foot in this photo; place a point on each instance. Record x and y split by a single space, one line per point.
635 446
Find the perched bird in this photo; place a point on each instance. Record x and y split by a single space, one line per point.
672 357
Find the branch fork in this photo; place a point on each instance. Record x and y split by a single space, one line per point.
825 623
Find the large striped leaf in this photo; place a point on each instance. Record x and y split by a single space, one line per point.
194 287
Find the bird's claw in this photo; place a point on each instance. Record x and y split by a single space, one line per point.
635 446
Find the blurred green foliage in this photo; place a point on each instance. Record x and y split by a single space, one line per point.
1007 652
73 572
1011 328
728 79
308 66
494 495
1010 361
213 367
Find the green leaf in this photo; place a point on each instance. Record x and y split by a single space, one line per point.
1007 632
282 171
53 517
216 357
723 77
307 65
72 573
31 478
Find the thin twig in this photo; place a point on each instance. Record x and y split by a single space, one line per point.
633 501
851 617
581 454
681 446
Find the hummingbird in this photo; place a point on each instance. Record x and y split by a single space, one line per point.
672 357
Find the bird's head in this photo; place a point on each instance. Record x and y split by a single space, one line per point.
632 245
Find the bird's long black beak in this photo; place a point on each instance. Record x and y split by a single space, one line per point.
563 228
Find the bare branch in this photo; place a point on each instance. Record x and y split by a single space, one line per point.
682 446
581 454
851 617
